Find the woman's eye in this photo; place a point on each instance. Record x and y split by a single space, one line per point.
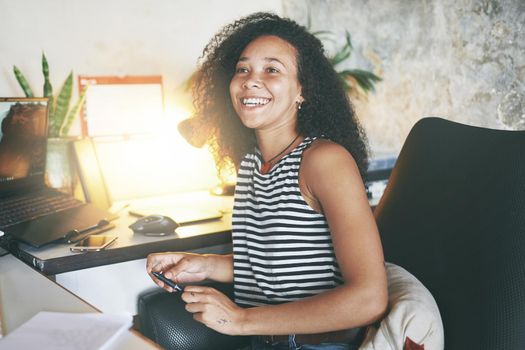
241 70
272 70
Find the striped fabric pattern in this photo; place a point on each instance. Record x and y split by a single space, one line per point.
282 248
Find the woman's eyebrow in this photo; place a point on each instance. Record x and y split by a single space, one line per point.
268 59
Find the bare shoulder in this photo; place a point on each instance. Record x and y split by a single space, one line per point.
323 154
328 170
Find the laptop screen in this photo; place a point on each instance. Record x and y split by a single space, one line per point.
23 141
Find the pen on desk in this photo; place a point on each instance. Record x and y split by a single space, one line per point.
96 231
75 235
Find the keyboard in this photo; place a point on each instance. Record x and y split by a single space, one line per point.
24 208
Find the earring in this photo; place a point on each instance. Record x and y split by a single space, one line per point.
299 104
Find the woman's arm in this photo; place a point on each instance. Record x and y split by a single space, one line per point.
220 267
330 180
187 267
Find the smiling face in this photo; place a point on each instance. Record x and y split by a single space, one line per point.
265 90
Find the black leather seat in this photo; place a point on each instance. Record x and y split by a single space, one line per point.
453 214
164 319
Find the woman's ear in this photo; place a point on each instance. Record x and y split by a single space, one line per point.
299 102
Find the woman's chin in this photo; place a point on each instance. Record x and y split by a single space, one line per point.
251 120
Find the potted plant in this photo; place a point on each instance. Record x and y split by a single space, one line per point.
353 79
60 172
60 116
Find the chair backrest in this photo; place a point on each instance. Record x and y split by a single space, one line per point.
453 214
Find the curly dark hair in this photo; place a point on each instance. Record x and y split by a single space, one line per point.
326 111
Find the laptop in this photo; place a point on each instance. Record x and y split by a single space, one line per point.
30 211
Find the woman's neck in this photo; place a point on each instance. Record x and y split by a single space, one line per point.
275 145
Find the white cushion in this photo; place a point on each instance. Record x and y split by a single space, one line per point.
413 313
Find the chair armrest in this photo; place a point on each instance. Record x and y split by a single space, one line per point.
164 319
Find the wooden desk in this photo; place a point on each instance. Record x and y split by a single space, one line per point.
24 292
57 258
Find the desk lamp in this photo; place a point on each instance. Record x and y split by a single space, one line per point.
191 130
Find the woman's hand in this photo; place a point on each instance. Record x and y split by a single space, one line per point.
179 267
214 309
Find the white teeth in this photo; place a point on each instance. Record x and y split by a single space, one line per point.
255 101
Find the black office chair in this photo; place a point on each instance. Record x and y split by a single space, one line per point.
453 214
164 319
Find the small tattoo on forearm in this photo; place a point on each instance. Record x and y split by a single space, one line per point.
222 321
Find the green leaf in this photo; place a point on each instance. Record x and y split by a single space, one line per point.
346 86
323 32
64 131
348 38
325 35
340 56
48 89
366 80
23 82
345 52
62 106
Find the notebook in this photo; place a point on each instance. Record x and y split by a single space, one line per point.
23 148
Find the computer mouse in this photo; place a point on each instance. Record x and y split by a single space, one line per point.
154 224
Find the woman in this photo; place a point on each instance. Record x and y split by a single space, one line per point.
307 261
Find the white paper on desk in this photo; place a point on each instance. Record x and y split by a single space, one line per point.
57 331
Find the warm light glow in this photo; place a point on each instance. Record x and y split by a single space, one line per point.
228 175
160 163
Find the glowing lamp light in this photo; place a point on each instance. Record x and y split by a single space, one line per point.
191 131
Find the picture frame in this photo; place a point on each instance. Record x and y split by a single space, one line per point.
121 105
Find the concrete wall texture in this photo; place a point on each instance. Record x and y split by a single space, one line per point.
463 60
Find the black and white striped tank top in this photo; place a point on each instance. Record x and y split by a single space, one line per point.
282 248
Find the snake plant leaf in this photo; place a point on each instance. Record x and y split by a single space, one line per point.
364 79
48 89
64 131
62 106
23 82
